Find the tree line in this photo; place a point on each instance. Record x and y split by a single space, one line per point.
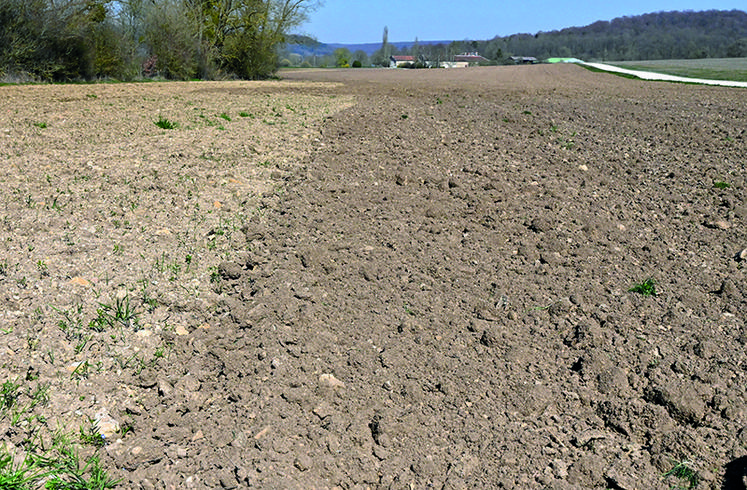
662 35
306 52
63 40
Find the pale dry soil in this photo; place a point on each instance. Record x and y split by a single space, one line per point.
107 216
382 278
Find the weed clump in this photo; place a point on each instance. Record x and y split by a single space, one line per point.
164 123
684 472
646 288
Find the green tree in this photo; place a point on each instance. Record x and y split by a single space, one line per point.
171 40
342 57
381 56
385 43
415 50
738 49
110 53
361 57
49 40
255 30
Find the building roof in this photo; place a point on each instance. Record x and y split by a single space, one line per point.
474 57
402 58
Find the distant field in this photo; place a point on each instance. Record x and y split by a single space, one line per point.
708 68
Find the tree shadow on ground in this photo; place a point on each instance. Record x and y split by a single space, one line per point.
735 474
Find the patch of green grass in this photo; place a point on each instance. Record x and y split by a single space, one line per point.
9 393
72 321
721 185
683 471
49 460
90 435
149 302
41 125
66 471
20 476
646 288
164 123
121 313
598 70
225 116
734 69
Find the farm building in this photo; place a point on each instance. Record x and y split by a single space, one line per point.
397 61
453 64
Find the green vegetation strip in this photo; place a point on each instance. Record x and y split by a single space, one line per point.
733 69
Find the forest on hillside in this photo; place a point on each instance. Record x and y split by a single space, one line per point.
661 35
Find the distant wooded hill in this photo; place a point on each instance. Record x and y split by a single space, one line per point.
661 35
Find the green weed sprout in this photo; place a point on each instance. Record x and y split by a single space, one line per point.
684 472
164 123
721 185
646 288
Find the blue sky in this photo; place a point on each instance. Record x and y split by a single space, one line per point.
346 21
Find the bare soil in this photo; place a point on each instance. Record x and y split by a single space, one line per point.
382 278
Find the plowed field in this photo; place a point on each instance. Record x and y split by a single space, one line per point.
381 279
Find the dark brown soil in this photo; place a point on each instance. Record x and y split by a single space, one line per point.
440 297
